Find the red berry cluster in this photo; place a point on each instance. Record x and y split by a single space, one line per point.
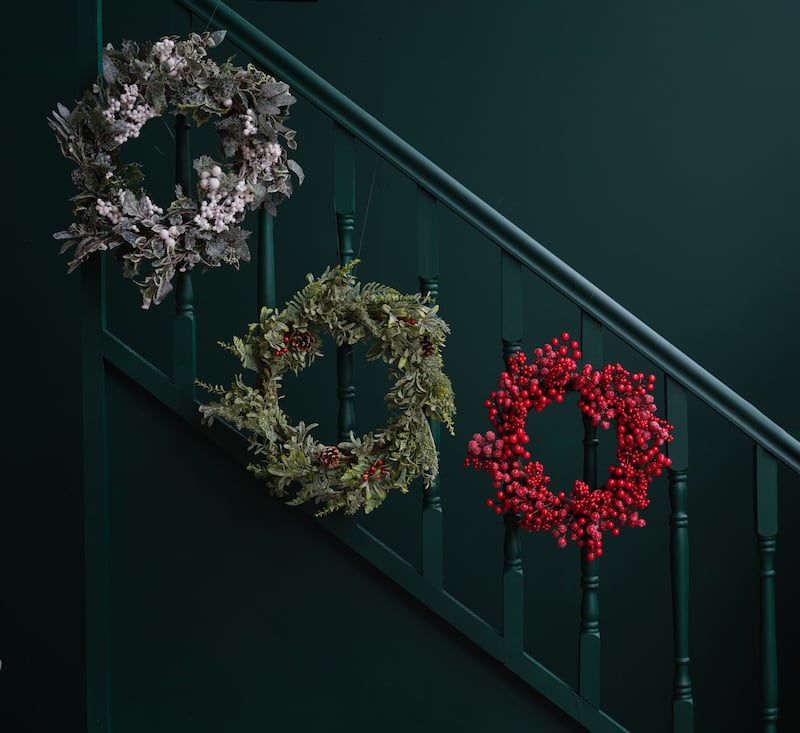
284 349
611 394
376 470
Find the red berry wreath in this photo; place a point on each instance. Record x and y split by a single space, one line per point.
611 394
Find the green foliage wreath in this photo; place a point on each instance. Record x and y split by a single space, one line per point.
404 331
144 81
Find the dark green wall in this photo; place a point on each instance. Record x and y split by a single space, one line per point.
41 547
652 148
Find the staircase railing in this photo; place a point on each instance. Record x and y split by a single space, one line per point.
599 312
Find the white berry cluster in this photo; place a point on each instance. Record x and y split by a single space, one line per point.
152 209
113 213
163 51
108 210
250 123
220 210
169 236
260 157
131 114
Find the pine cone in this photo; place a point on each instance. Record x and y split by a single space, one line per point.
428 347
302 341
330 456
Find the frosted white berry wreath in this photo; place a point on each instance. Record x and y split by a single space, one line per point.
404 331
114 211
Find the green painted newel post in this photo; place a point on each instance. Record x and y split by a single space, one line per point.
428 267
345 205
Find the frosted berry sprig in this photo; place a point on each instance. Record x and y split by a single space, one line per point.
128 112
609 395
259 158
114 211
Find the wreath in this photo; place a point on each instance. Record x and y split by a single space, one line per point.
141 82
608 395
404 331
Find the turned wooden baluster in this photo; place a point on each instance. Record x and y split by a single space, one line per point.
678 452
766 514
428 266
345 205
265 258
511 325
589 638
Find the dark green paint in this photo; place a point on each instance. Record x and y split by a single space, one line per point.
346 391
591 341
265 261
185 338
513 603
769 639
183 154
766 511
683 704
589 640
97 543
344 197
590 443
432 559
510 304
677 414
766 504
471 625
344 179
184 327
96 501
427 243
428 269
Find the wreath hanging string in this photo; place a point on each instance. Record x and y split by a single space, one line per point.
115 212
405 331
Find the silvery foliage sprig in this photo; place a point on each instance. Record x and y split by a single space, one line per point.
114 211
405 331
